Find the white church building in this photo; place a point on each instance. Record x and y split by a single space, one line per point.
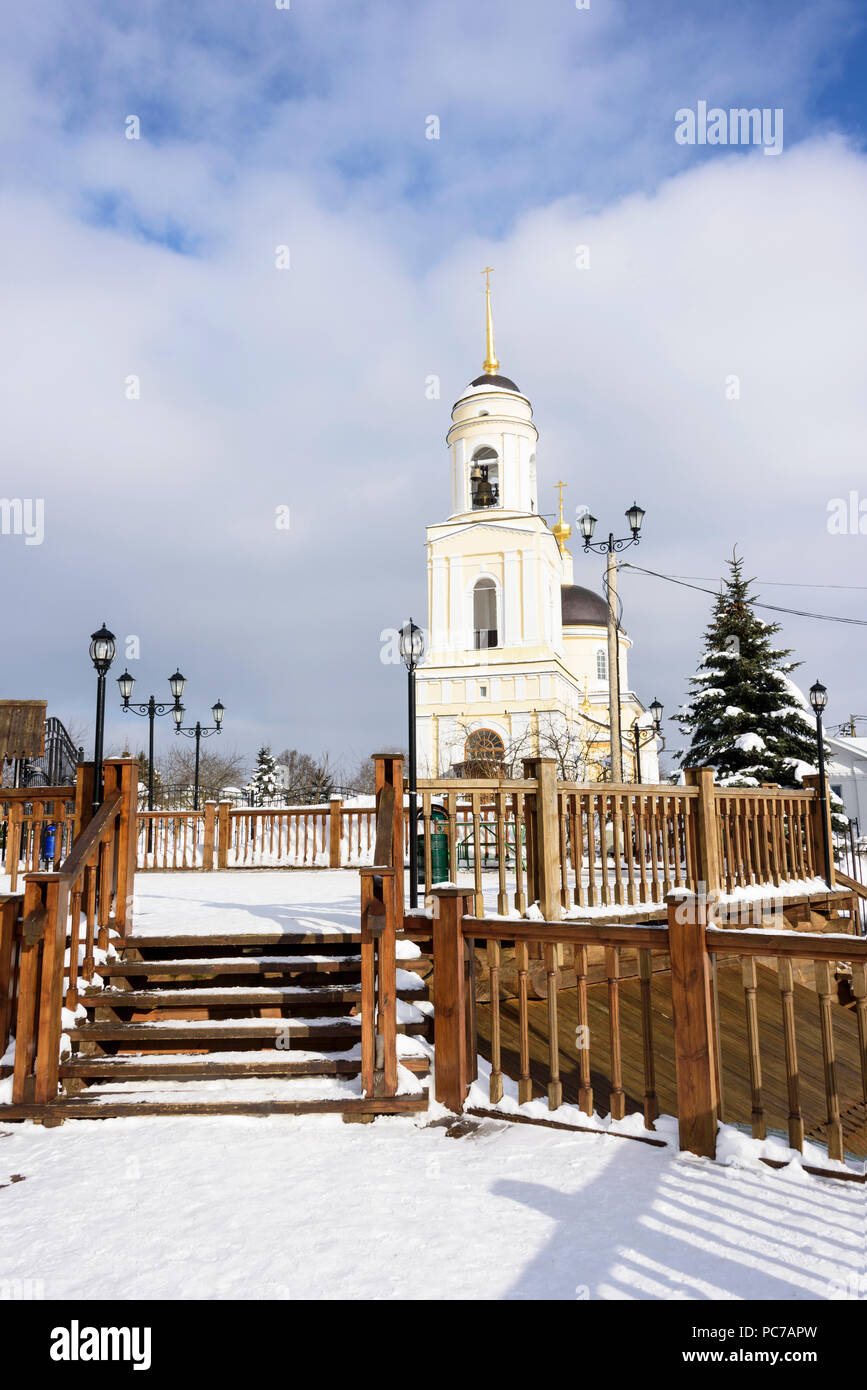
517 660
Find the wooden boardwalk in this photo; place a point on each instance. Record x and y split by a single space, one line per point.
737 1102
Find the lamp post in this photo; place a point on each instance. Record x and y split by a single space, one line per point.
819 699
150 710
412 652
641 738
611 548
102 650
198 732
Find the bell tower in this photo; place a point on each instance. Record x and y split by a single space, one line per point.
492 440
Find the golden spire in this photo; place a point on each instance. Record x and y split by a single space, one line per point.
490 365
562 531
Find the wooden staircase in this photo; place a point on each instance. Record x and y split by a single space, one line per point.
262 1023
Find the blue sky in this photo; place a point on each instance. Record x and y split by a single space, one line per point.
306 127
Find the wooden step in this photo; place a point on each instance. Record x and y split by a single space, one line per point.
210 967
181 1066
336 937
233 996
80 1108
200 1030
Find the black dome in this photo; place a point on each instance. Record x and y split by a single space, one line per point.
581 607
505 383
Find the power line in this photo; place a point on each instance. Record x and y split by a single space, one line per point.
774 607
774 583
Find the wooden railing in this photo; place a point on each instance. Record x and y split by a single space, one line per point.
26 815
480 818
573 847
676 1018
381 919
222 836
68 917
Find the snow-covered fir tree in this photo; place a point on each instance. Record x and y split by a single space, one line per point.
263 783
746 718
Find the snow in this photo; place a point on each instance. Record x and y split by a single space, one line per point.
750 743
235 1207
220 1207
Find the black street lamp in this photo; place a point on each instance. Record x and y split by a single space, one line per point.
102 650
642 737
611 548
198 732
150 710
412 653
819 700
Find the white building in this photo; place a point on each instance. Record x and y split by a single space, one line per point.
847 776
517 663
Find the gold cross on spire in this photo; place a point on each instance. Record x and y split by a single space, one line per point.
490 365
562 531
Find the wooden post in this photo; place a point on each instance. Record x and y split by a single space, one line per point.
121 774
694 1050
811 781
546 838
389 772
451 1065
51 988
84 797
223 834
13 843
706 837
335 828
210 835
9 909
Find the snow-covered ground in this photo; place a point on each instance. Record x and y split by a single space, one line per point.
407 1207
308 1207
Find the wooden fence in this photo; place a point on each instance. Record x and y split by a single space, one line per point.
27 817
575 847
52 940
646 1026
222 836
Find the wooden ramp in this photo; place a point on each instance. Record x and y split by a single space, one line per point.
733 1035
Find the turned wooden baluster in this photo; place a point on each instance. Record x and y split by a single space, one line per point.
555 1088
787 999
590 820
612 970
859 989
502 854
748 976
645 976
90 918
74 942
667 840
585 1089
496 1084
564 850
525 1084
825 987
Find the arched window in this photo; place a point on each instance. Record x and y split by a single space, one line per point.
602 664
484 614
484 745
484 479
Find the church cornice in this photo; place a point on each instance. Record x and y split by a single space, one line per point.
487 423
488 526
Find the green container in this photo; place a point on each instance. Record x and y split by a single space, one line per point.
439 847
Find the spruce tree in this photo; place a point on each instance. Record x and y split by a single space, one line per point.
263 783
745 717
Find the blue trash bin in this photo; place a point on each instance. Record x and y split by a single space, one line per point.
49 841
